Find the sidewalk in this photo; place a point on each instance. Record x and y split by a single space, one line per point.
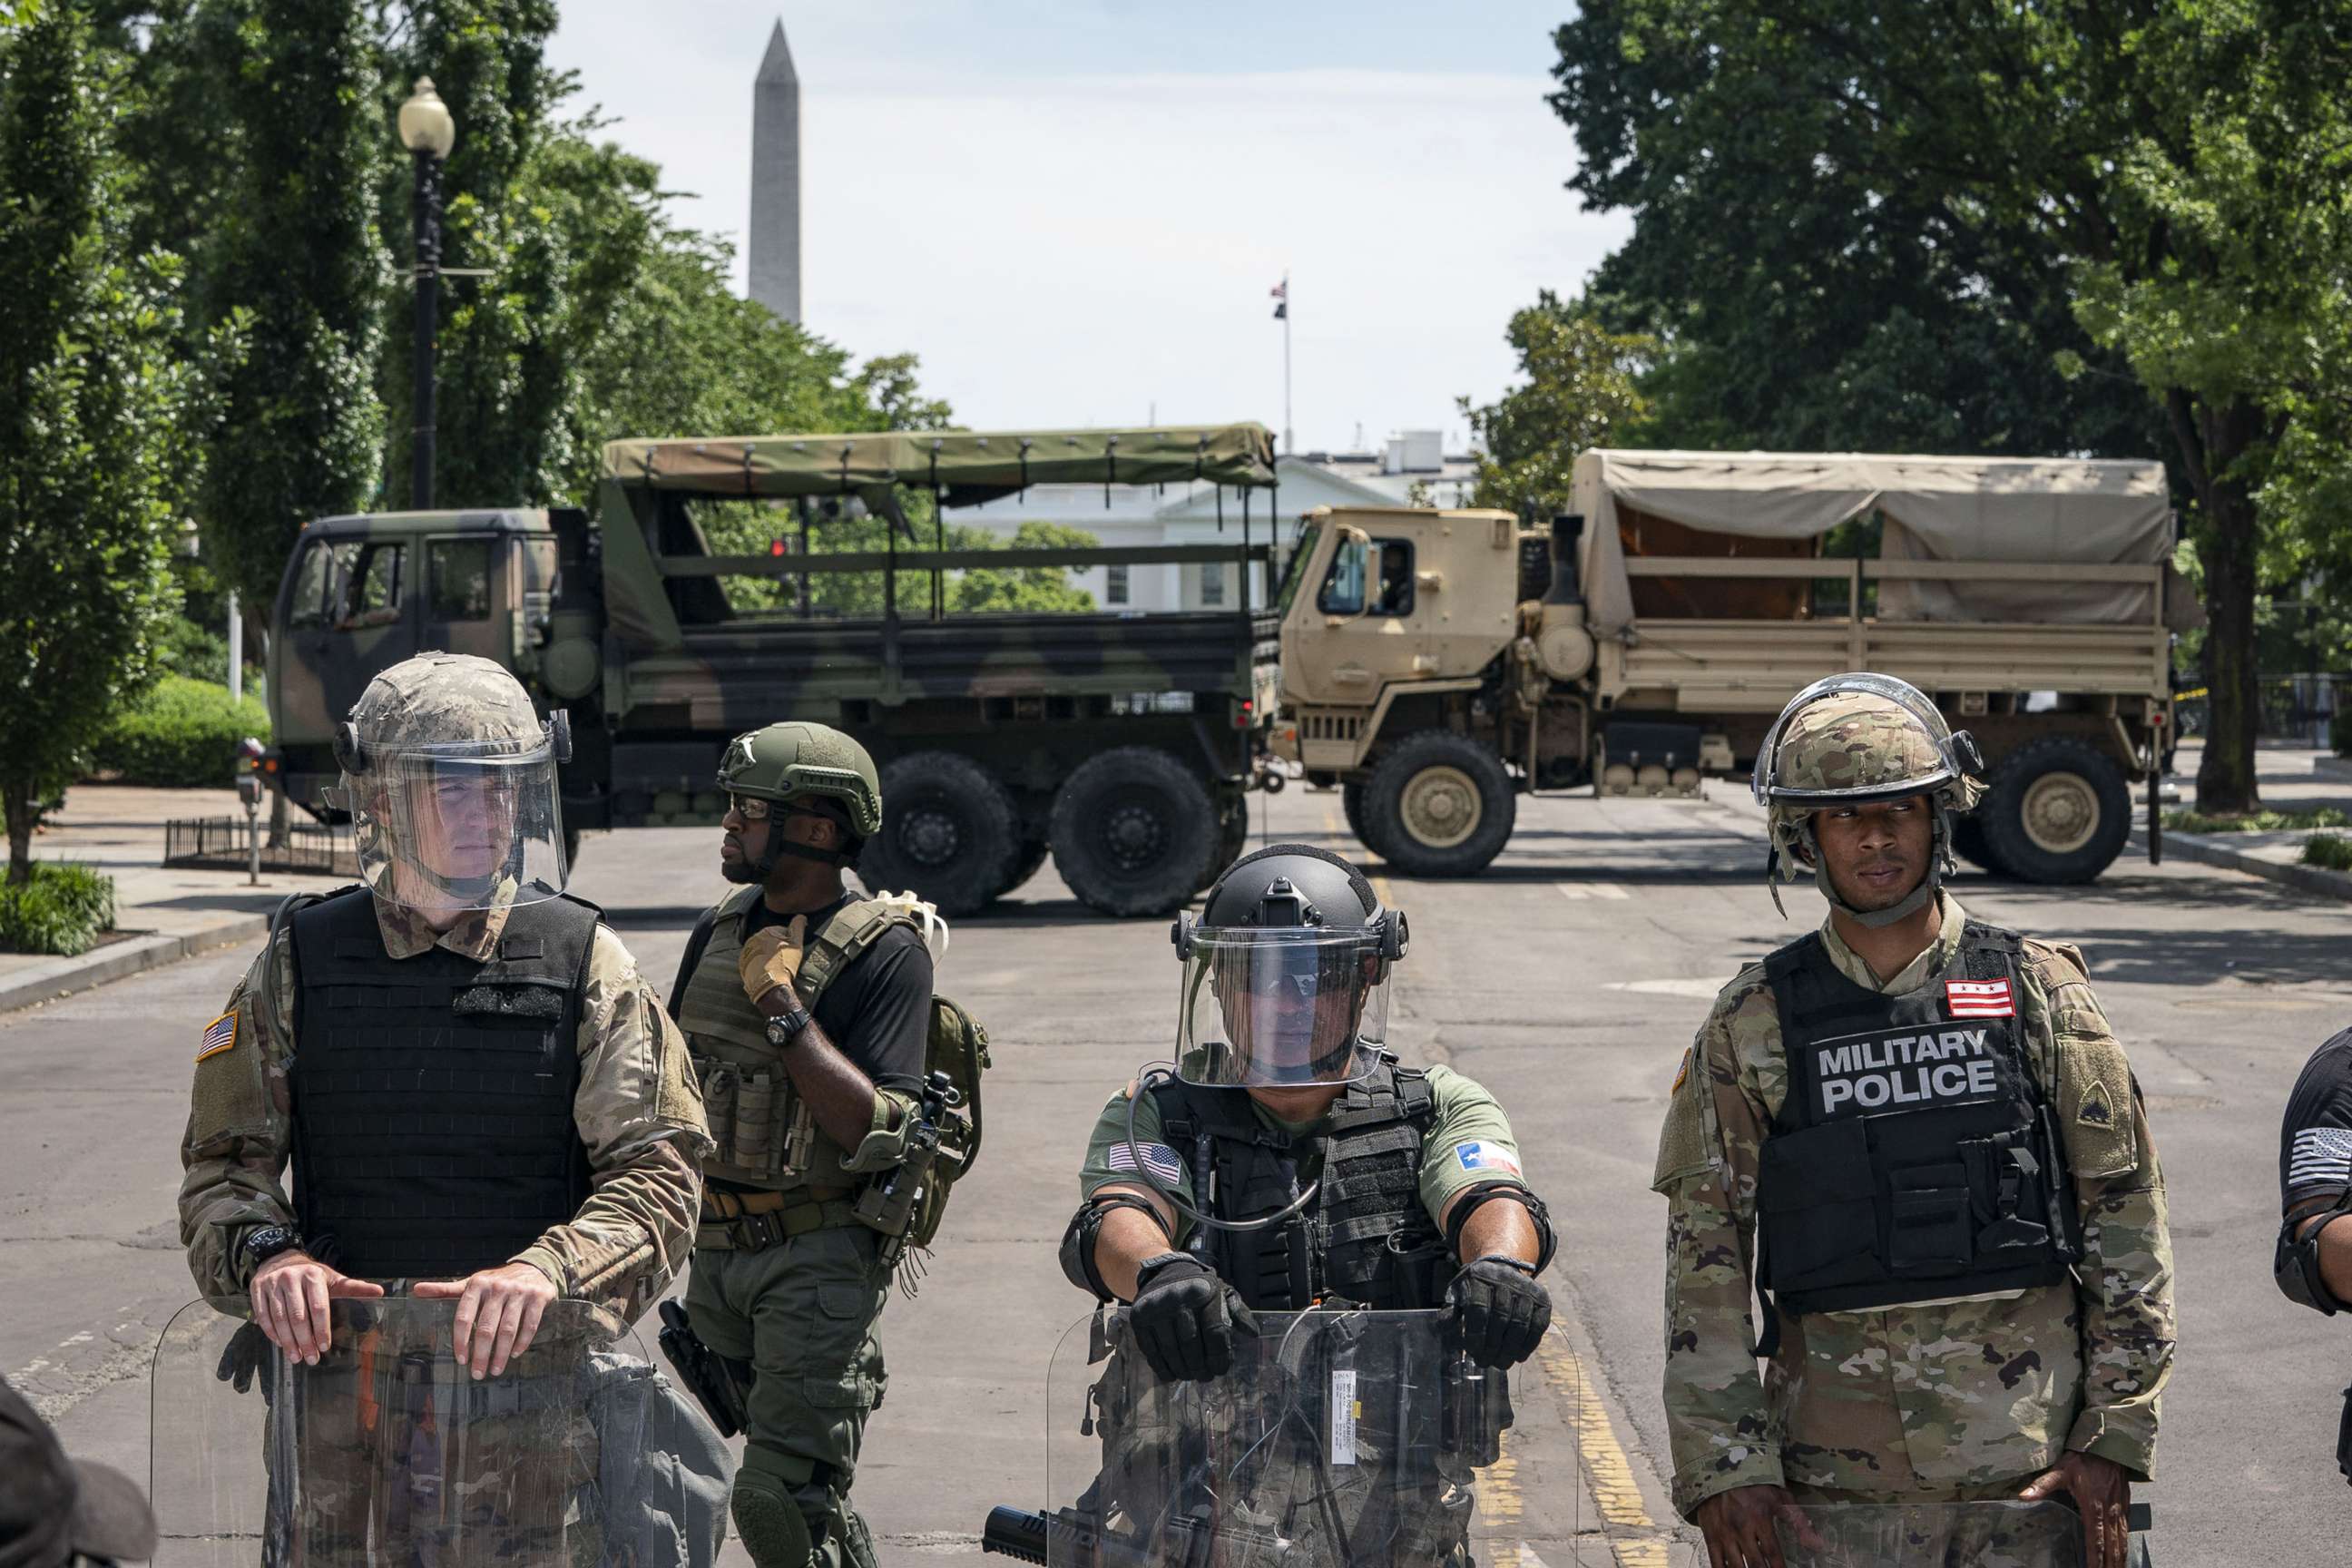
160 915
2290 779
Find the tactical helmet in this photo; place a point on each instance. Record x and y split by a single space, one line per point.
795 759
1286 973
1854 739
451 776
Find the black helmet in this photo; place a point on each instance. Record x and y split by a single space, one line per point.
1286 973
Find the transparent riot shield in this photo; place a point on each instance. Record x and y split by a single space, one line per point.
1338 1438
1931 1536
390 1452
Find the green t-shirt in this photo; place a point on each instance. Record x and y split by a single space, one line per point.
1469 1143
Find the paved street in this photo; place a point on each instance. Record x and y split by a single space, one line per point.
1569 980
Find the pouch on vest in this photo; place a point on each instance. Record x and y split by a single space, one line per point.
1820 1182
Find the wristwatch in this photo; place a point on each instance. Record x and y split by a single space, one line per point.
784 1027
267 1243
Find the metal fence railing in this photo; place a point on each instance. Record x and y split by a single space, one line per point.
2296 709
224 842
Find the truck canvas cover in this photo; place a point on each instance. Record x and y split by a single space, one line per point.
2017 510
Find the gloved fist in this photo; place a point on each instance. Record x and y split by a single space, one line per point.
1500 1312
1184 1318
773 957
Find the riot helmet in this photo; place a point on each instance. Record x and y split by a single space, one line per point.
806 769
1285 979
451 780
1857 739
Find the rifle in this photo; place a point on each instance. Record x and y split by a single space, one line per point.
887 1204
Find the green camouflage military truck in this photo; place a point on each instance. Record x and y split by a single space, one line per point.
1121 743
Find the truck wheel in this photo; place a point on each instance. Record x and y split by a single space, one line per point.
1968 844
1025 864
1351 801
1438 804
2058 811
950 832
1233 838
1132 831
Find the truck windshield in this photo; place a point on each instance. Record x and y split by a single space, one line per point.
1295 567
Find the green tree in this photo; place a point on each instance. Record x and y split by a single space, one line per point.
1024 590
96 412
1582 389
2046 190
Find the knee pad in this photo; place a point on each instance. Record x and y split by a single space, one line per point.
770 1523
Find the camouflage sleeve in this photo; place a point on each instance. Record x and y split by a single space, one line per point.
1717 1417
639 1111
240 1132
2125 1293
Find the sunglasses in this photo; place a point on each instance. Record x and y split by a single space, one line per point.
749 807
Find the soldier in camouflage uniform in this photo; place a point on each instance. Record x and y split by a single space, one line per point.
1917 1139
473 1088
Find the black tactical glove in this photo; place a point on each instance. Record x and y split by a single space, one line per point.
1500 1312
247 1352
1185 1317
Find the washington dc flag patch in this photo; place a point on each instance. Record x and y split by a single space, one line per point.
1978 999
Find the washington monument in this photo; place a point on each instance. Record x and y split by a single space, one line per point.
775 238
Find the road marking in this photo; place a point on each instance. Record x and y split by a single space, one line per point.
1499 1505
1591 890
1635 1539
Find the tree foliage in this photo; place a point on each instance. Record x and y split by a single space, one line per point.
1582 390
97 412
2054 227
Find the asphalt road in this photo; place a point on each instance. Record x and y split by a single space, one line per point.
1568 979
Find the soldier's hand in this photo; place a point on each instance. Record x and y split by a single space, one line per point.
2103 1492
290 1292
1184 1318
1738 1525
1499 1313
773 957
498 1311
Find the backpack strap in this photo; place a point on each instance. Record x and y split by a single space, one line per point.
849 931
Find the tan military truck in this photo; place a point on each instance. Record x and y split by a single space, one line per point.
1438 664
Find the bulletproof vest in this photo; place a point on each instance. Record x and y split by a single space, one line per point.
433 1118
1366 1237
766 1134
1913 1157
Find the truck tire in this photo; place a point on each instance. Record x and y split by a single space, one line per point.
1438 804
2057 810
1233 838
950 832
1024 865
1351 802
1133 830
1969 843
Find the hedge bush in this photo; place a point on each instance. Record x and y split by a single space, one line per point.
2332 850
61 910
180 734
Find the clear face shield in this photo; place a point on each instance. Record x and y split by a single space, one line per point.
1282 1009
465 825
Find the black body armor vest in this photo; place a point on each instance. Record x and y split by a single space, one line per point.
1913 1157
1365 1238
433 1119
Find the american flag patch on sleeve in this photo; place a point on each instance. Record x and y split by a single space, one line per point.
1978 999
2320 1157
1158 1160
219 1036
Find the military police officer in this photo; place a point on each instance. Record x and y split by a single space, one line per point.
473 1088
1915 1136
807 1011
1336 1173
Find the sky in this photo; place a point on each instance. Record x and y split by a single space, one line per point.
1074 212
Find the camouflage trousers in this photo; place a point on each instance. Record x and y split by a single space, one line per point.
802 1314
381 1458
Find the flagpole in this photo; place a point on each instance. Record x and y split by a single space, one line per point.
1289 444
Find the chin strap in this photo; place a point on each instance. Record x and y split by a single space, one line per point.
1940 865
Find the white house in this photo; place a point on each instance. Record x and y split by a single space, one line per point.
1411 471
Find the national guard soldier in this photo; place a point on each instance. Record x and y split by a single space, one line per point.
1916 1138
1411 1196
807 1011
474 1089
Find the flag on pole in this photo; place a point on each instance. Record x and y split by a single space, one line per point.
1282 311
1282 292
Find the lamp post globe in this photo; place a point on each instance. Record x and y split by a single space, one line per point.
424 122
429 133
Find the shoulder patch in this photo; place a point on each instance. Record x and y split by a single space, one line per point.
1479 1156
220 1035
2095 1109
1682 1073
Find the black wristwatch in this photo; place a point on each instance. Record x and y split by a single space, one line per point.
785 1027
267 1243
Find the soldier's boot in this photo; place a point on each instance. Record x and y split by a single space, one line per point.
770 1522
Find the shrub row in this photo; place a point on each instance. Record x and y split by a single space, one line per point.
61 910
180 734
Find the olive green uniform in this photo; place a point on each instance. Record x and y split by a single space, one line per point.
784 1276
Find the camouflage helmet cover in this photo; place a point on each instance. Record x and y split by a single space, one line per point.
800 758
439 700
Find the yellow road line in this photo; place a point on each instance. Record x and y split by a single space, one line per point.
1607 1467
1499 1505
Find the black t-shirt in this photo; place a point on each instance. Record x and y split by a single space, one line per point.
878 1011
2316 1142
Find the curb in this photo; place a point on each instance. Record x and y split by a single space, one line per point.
2334 767
2209 849
65 976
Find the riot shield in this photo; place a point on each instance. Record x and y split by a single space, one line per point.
1338 1438
1997 1534
390 1453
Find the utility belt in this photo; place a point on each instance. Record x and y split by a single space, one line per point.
755 1221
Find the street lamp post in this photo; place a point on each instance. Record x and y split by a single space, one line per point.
429 133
